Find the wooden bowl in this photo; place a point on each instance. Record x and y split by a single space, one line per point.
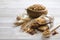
35 14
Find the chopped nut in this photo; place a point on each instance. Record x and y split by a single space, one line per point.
18 18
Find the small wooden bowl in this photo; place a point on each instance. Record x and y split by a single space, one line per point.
33 13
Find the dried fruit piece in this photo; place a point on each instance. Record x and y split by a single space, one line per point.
54 33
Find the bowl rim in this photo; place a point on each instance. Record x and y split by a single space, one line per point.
37 11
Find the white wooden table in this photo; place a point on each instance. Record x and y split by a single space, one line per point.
9 9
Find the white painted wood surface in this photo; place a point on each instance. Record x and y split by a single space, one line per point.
9 9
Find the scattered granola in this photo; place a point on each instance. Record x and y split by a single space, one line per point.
36 20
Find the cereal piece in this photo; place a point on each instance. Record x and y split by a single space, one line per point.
34 25
41 20
31 31
43 28
26 19
46 33
23 26
18 23
28 29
